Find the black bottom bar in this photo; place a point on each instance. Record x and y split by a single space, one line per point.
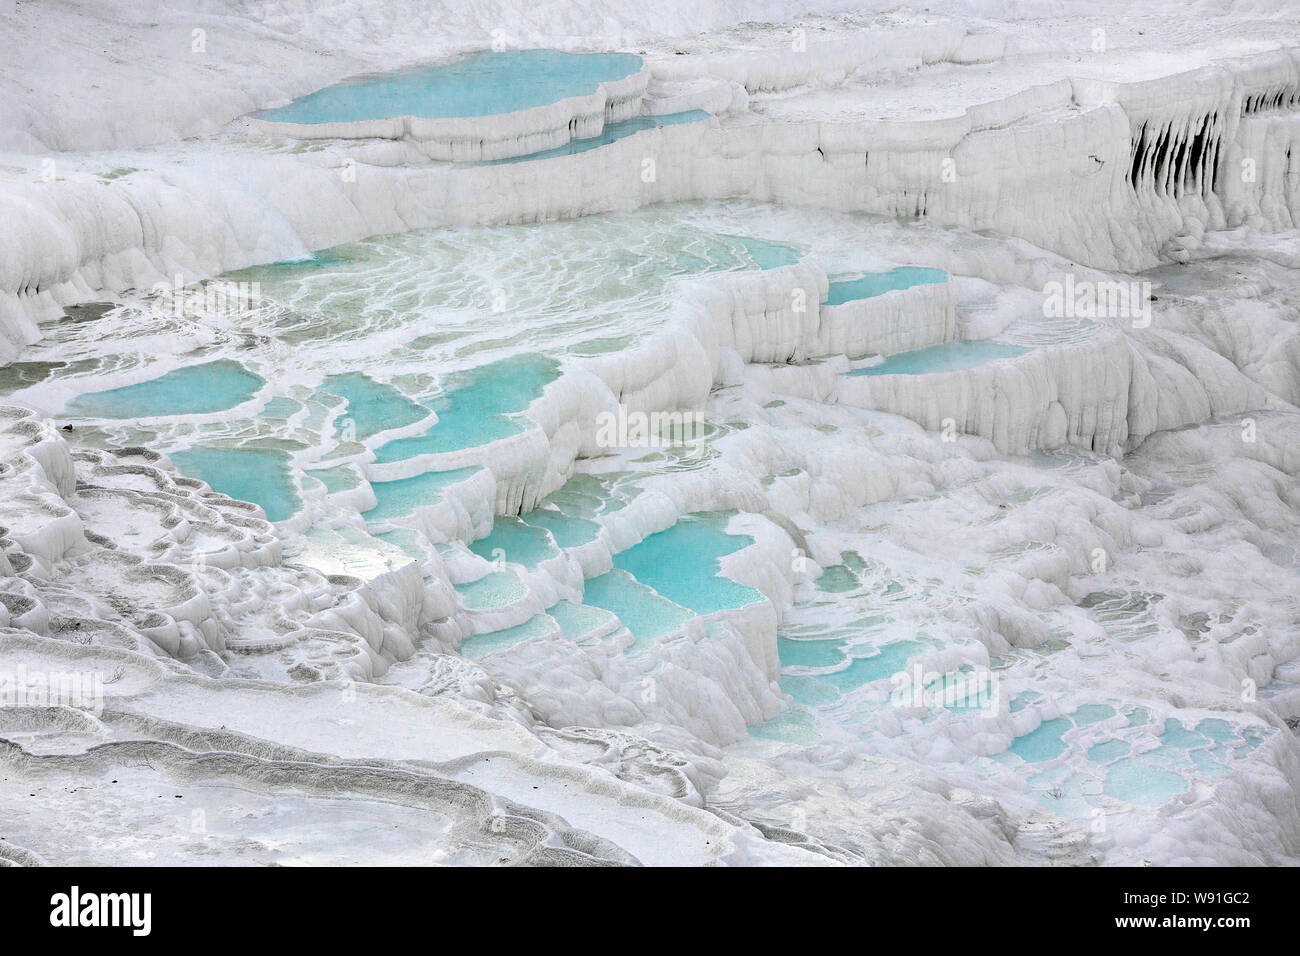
948 908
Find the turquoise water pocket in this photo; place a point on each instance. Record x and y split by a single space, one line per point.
482 84
950 357
259 475
191 390
878 283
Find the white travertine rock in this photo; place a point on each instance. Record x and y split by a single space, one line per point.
1141 566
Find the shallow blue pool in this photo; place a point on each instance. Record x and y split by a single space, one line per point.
192 390
682 564
796 652
477 407
481 84
372 406
568 531
336 479
512 540
889 660
259 475
579 621
399 498
768 254
611 133
478 646
643 612
496 589
1143 783
878 283
1043 743
1108 751
949 357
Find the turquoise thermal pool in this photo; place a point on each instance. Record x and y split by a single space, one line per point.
481 84
682 564
769 254
580 621
643 612
495 590
513 540
538 627
259 475
873 284
190 390
399 498
372 407
477 407
949 357
567 531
